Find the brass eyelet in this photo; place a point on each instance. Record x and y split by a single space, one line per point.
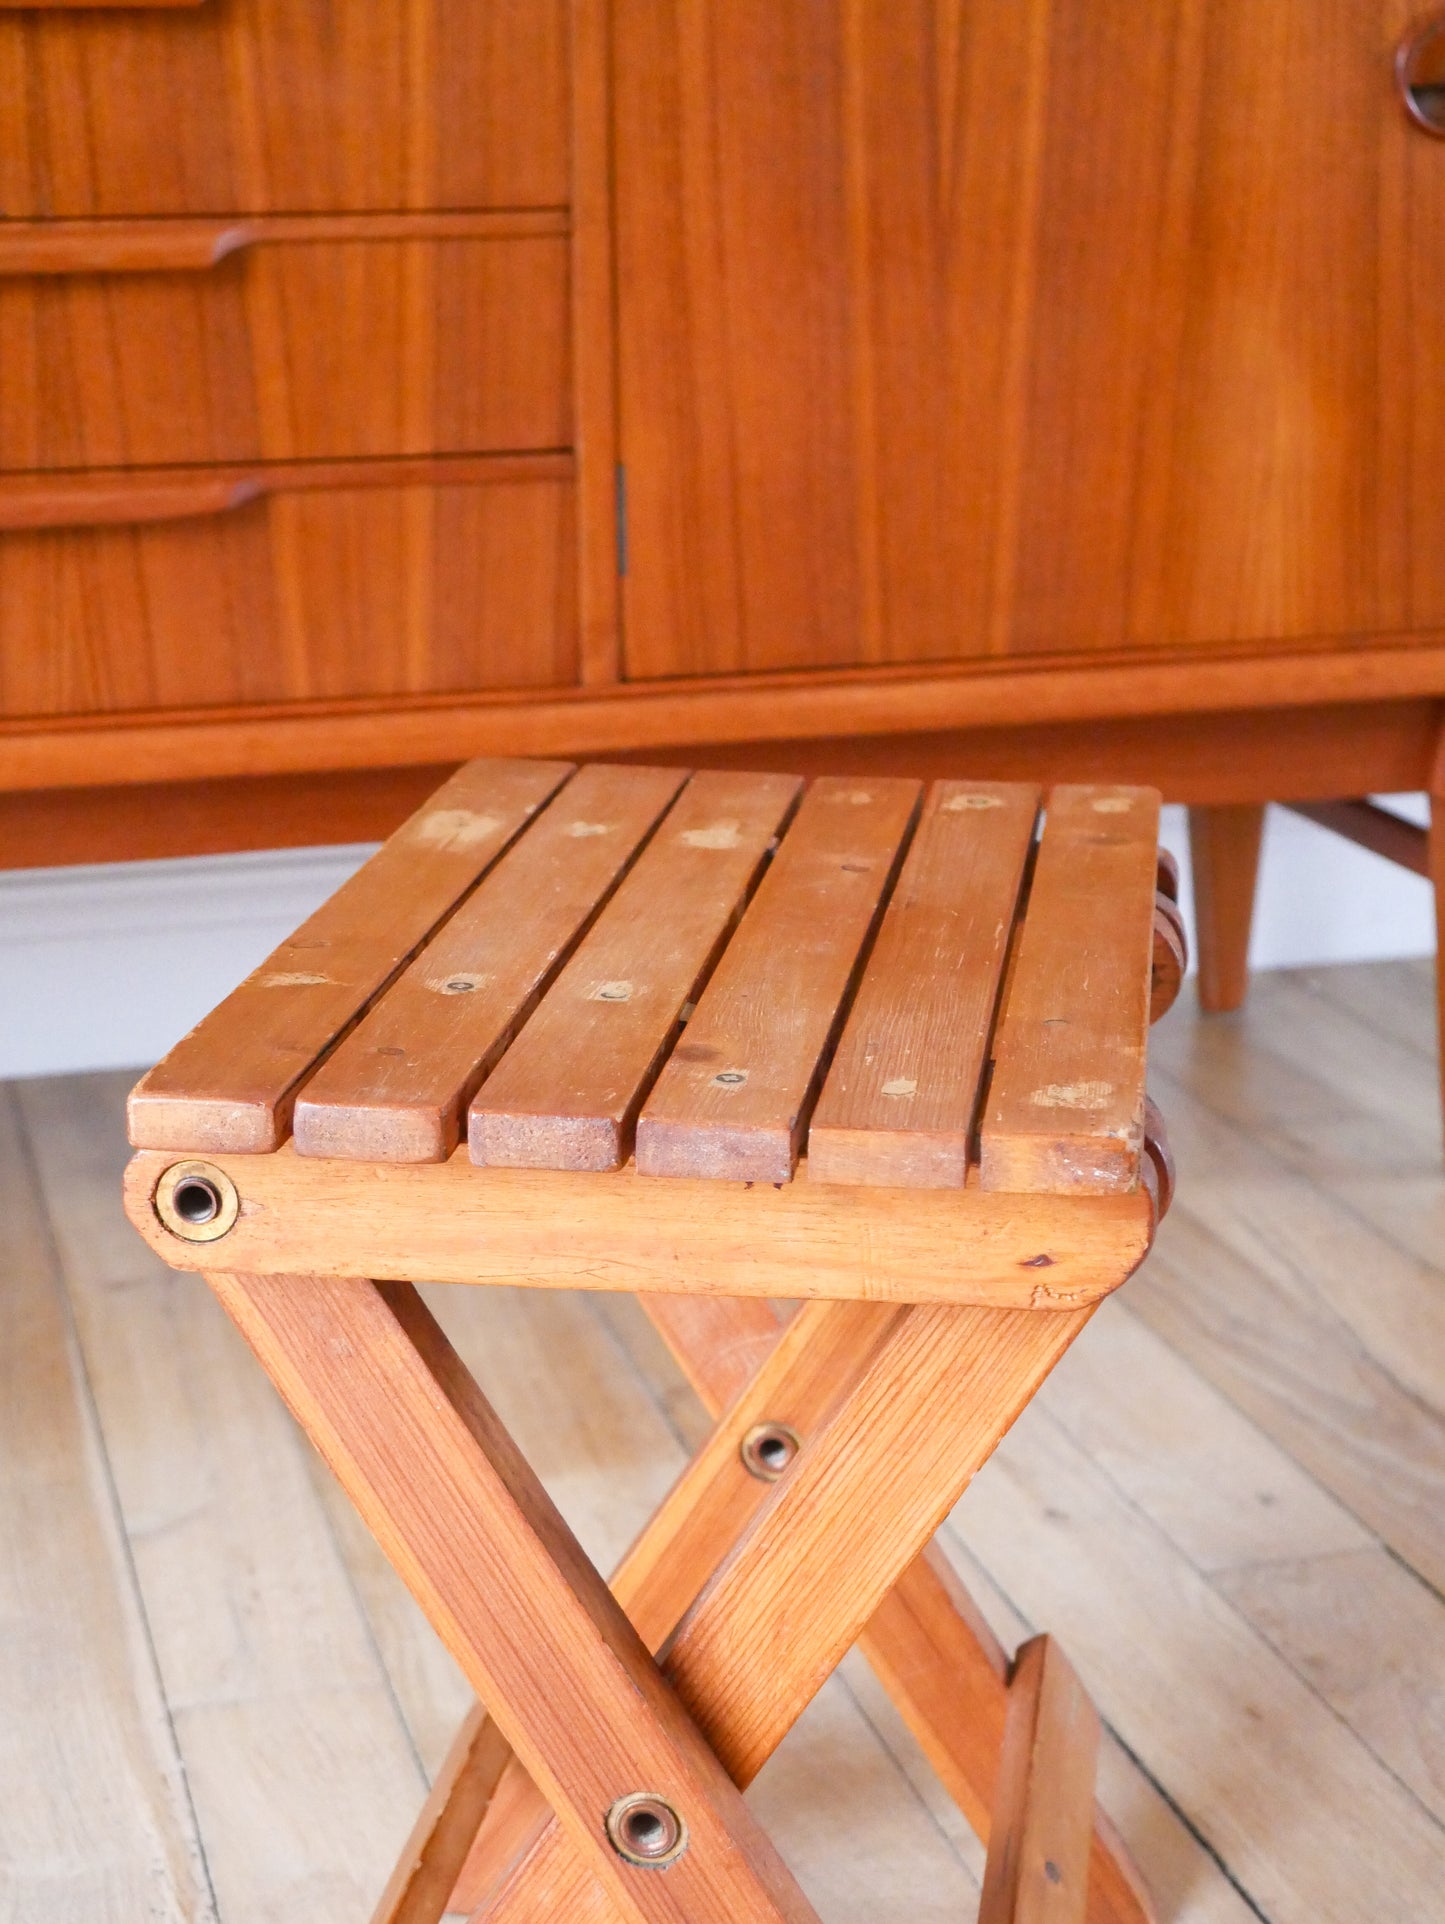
196 1202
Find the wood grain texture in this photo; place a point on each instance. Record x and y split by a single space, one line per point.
247 105
874 1457
1038 1854
294 1756
1224 845
872 266
231 1082
1066 1106
1202 730
76 1670
397 1088
594 344
568 1092
499 1574
1383 743
302 594
900 1100
810 1366
332 347
556 1230
734 1097
927 1642
457 1801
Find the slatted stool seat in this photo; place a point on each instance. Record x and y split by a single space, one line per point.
719 1040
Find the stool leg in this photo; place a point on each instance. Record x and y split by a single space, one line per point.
863 1497
927 1642
426 1872
800 1377
375 1384
1038 1856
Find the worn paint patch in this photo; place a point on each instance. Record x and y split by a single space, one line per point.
290 979
901 1086
1112 805
612 992
715 835
1072 1095
456 828
462 982
956 804
579 830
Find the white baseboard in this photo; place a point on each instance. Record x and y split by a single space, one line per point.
104 967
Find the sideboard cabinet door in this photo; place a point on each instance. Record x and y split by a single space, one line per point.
953 329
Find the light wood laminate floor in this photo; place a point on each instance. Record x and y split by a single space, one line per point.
217 1702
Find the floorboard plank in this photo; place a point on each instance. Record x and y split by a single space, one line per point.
1311 1824
1370 1638
96 1821
1306 1382
303 1778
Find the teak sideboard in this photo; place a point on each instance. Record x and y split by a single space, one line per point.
1045 387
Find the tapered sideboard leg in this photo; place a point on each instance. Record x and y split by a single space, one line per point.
1224 846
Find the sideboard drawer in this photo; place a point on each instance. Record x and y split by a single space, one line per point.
287 105
304 593
288 350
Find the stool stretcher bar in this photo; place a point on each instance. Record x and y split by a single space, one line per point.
453 1223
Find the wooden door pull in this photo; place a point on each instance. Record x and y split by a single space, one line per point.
118 246
126 495
179 246
89 6
111 500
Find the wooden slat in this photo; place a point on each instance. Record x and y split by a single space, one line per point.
1038 1853
1066 1108
396 1090
733 1099
452 1501
568 1091
900 1100
229 1084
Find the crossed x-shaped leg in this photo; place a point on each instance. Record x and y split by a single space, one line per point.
750 1592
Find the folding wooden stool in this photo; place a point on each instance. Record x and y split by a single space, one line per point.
718 1041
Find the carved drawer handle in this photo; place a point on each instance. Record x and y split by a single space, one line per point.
89 6
1420 73
118 247
115 501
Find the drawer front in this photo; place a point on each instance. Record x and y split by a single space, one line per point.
289 350
295 597
285 105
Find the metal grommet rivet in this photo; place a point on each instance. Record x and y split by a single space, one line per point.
645 1829
196 1201
768 1449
